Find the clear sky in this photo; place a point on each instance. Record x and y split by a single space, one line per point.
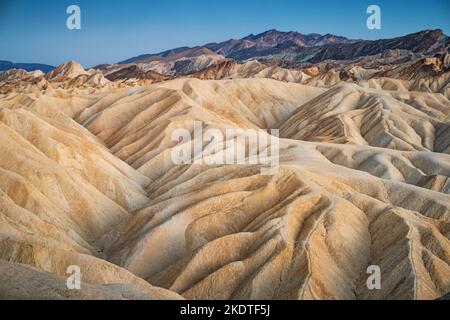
111 31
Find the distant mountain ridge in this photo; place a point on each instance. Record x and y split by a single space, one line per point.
287 49
163 54
274 38
6 65
290 54
268 39
273 48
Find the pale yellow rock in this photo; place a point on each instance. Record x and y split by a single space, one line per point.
86 178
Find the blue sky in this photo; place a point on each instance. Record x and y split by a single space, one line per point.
35 31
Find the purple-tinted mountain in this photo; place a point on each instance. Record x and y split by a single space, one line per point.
273 38
266 40
291 54
163 54
291 49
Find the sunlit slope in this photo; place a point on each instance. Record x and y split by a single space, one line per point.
88 179
348 113
233 233
60 190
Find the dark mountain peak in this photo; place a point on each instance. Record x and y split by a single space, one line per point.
271 32
428 33
433 32
273 38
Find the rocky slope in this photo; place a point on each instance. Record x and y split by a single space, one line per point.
179 62
87 179
68 75
250 69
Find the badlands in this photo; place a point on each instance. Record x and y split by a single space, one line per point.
86 179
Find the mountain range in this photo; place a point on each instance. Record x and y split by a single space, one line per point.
291 52
237 47
274 41
285 49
